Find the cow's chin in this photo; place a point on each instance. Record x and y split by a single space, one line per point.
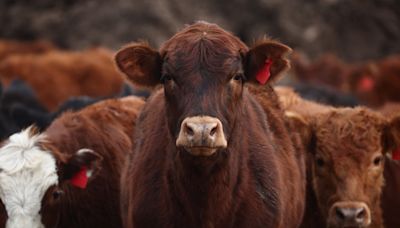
201 151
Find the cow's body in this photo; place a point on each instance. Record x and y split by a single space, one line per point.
12 47
390 194
99 135
55 76
244 174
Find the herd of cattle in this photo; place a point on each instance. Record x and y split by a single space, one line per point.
209 143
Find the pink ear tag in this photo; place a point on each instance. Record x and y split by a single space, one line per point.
265 72
366 84
396 154
80 179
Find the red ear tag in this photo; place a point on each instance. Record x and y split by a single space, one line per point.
80 179
265 72
366 84
396 154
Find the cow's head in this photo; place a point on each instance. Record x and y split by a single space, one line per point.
347 149
33 179
202 69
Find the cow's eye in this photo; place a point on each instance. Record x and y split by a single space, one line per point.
320 162
165 78
378 160
238 77
57 194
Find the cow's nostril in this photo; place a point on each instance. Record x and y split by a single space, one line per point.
189 130
213 130
361 214
339 214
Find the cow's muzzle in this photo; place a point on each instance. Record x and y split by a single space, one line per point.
349 214
201 135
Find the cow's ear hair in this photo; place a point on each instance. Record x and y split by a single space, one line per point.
266 60
81 167
140 63
391 137
304 129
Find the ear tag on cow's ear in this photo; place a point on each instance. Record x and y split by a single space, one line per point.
396 154
366 84
80 179
265 72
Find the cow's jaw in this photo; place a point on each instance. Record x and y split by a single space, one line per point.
26 172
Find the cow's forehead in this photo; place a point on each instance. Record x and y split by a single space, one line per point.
26 173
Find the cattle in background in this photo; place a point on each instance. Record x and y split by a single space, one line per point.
328 69
25 115
12 47
18 93
372 82
324 95
206 154
376 82
55 76
41 172
346 150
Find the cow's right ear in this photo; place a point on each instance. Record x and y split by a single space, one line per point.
140 63
81 167
303 127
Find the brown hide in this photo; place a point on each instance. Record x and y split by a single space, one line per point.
12 47
107 129
56 76
345 156
256 181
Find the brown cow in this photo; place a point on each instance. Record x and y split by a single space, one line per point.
206 153
39 172
346 161
12 47
58 75
372 82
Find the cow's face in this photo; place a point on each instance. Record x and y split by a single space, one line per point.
203 69
347 155
31 180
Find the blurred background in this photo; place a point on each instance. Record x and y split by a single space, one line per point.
57 55
352 29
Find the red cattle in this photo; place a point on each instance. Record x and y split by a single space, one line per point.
390 195
41 173
55 76
372 82
346 150
12 47
207 155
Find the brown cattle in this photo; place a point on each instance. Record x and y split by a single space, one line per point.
390 194
372 82
346 150
58 75
12 47
206 153
40 172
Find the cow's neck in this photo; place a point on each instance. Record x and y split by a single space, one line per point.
198 182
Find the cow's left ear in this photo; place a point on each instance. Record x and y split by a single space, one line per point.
140 63
81 167
266 60
391 137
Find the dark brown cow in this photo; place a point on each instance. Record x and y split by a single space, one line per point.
58 75
40 173
390 194
346 161
12 47
207 154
